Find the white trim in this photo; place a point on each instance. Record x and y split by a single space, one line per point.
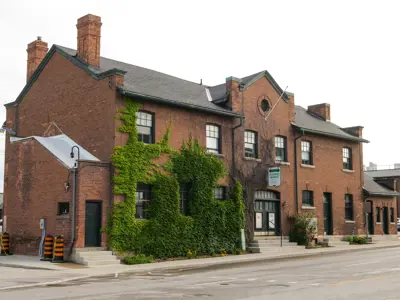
349 222
208 94
252 159
284 163
307 166
348 171
308 207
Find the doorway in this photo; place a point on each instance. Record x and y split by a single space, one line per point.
370 217
93 224
327 200
385 220
267 212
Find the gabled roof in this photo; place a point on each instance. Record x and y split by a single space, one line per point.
311 123
60 146
384 173
375 189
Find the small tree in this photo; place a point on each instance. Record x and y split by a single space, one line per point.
303 229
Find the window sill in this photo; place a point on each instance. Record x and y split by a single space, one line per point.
252 159
349 222
348 171
307 207
283 163
307 166
62 217
216 154
392 223
379 223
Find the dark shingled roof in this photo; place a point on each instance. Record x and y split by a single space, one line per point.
313 124
375 189
384 173
141 81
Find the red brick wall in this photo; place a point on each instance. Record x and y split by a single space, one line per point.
81 106
34 186
384 202
328 176
93 184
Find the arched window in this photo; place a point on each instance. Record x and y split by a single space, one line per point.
266 195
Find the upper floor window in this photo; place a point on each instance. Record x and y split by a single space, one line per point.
306 153
348 207
347 159
280 148
213 134
145 127
184 189
143 199
219 193
308 198
250 144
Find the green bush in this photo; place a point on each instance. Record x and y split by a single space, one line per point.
210 224
138 259
353 239
302 230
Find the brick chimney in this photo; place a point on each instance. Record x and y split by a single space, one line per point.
323 110
37 50
89 29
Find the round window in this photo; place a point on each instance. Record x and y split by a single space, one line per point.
265 105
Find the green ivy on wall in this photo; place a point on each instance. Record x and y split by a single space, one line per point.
211 224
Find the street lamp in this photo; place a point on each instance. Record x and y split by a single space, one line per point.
72 155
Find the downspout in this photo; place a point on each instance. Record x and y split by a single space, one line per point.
295 172
366 195
74 170
233 135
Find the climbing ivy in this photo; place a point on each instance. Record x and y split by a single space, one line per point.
210 224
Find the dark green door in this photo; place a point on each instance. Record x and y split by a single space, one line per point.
93 224
267 216
370 217
327 200
385 220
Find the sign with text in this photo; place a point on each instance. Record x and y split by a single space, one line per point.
274 176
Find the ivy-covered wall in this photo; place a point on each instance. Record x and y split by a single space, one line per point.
210 225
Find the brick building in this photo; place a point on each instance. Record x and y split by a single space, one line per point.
250 123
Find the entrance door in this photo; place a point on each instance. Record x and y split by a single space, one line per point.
370 217
267 216
93 224
327 199
385 220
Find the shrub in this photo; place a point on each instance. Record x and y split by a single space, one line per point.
138 259
191 254
353 239
303 230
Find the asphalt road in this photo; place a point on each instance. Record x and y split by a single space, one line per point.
362 275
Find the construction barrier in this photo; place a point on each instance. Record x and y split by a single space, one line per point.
5 244
48 247
58 249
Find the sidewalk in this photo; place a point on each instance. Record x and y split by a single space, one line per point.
22 271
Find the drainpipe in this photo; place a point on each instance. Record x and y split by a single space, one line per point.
295 172
75 171
233 135
366 214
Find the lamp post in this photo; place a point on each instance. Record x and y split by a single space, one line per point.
75 171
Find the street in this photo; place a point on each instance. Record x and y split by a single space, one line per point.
362 275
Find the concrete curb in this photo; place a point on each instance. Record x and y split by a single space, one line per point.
25 267
208 265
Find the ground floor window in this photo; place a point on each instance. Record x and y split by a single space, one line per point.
219 193
184 189
143 199
378 215
391 215
63 208
308 198
348 202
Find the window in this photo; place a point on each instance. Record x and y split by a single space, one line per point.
308 198
219 193
265 105
143 198
378 215
347 163
348 207
391 215
213 133
184 189
306 157
145 127
280 148
63 208
250 144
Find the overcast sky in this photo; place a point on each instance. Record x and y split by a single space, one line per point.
345 53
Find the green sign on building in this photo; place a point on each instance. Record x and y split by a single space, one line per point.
274 176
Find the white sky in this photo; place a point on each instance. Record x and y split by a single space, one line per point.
345 53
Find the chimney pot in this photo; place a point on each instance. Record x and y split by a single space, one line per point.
89 33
